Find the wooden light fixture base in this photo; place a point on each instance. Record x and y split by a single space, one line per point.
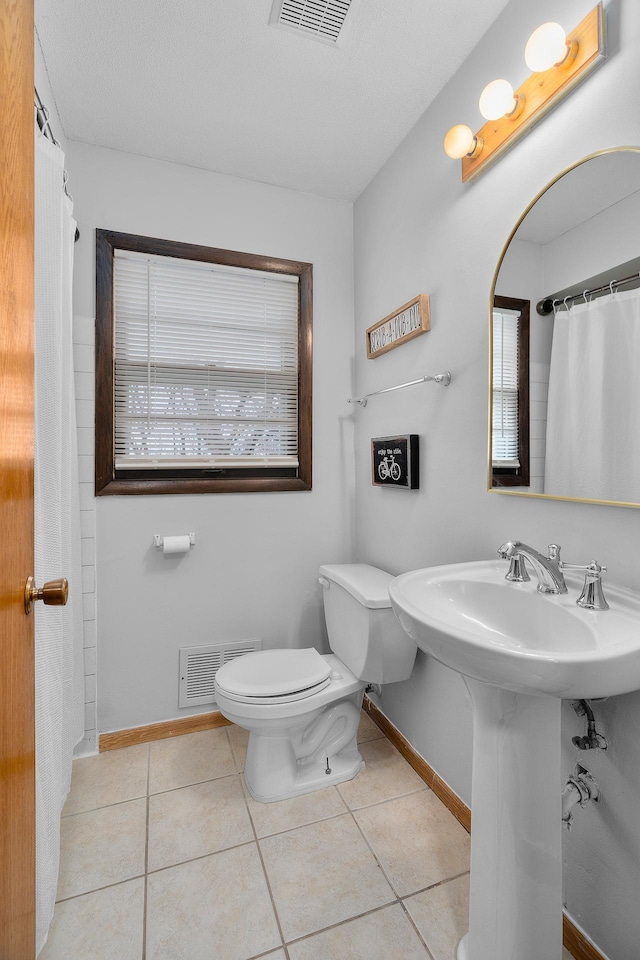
541 91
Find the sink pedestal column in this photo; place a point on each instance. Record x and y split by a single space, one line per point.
516 841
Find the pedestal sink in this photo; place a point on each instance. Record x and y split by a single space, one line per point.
520 653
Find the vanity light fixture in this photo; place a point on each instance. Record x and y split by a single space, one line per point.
548 47
498 100
559 62
461 142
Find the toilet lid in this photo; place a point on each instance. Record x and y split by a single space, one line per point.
269 674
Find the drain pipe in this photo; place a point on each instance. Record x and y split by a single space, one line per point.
579 788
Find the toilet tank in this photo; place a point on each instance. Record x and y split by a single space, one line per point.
363 630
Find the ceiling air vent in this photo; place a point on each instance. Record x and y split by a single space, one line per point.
317 19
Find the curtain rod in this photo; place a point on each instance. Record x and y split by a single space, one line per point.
547 305
444 378
43 120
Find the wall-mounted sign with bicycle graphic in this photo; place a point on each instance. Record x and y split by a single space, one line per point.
394 461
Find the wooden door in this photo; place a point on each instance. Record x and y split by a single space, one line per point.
17 731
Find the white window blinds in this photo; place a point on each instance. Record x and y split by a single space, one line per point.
505 443
206 365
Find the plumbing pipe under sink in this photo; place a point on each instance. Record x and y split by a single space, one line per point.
579 788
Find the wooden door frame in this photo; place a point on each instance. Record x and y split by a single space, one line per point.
17 684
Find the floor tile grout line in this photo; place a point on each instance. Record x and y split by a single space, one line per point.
434 886
404 909
374 855
262 863
202 856
194 783
264 954
104 806
398 900
146 861
414 893
342 923
236 760
301 826
379 803
271 897
197 783
264 866
107 886
246 843
409 896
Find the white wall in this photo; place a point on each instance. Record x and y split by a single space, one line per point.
590 248
418 229
253 570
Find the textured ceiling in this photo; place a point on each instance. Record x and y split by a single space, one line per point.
210 84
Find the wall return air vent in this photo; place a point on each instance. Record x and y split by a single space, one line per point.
199 665
317 19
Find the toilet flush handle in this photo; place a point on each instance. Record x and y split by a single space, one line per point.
325 583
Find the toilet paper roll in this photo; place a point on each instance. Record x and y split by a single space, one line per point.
171 546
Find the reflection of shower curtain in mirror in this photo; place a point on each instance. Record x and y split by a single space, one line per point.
593 417
59 663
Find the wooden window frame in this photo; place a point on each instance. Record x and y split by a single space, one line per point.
111 481
518 476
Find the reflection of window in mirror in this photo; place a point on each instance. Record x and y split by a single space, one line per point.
510 415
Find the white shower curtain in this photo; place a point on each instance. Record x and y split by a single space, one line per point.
59 646
593 417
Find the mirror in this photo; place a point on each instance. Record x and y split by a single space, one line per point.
565 421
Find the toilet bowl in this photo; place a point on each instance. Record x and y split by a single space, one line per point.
302 708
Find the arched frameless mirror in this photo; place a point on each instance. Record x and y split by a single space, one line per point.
565 336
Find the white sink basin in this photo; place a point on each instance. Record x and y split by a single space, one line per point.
467 616
520 652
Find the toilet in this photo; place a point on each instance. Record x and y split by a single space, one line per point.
302 708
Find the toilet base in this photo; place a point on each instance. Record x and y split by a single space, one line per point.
319 750
314 776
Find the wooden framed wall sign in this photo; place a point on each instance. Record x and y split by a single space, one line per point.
395 461
409 321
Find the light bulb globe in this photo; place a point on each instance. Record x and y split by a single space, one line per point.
546 47
459 141
497 99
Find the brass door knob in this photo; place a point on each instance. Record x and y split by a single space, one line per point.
54 593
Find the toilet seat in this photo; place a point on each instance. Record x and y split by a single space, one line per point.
274 676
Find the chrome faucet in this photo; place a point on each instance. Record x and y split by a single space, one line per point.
548 569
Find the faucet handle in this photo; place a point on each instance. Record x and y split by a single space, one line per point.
594 568
592 596
554 552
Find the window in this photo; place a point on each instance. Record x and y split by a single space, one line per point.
203 369
510 393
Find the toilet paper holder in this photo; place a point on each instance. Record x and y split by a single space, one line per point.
158 540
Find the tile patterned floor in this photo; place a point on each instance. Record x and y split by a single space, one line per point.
165 857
